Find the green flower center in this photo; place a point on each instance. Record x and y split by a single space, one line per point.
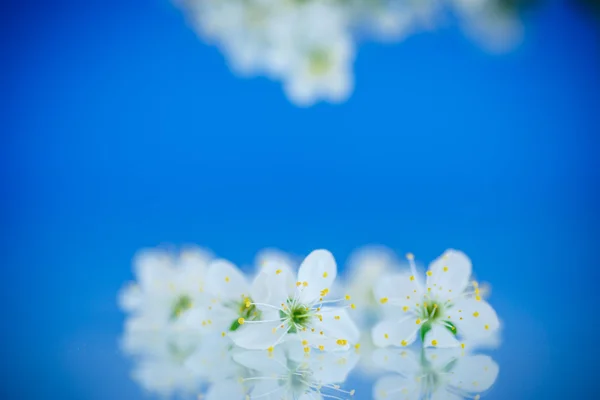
182 304
434 312
319 62
298 316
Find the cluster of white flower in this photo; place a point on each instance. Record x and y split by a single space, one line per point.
199 324
309 45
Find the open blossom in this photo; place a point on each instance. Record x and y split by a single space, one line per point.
440 374
364 270
444 308
289 373
231 298
298 309
169 286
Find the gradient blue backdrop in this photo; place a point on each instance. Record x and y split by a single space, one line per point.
120 130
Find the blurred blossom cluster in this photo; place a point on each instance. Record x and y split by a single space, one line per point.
310 45
293 329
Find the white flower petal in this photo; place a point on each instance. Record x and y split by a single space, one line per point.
450 272
319 340
273 285
440 336
442 358
152 269
131 297
394 387
318 270
403 361
396 333
338 324
257 336
333 367
264 361
398 291
268 389
213 359
474 373
474 319
226 281
225 389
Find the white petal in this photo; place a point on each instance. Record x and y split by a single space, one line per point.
396 333
403 361
318 270
152 268
333 367
394 387
474 373
474 319
267 389
275 258
131 297
264 361
226 281
442 358
397 290
320 341
257 336
194 259
440 336
337 323
273 285
450 272
213 359
225 389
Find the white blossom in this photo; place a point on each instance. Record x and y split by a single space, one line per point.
447 306
298 309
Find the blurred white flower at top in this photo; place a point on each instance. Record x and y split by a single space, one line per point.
315 52
309 45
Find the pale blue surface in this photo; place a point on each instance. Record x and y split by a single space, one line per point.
122 130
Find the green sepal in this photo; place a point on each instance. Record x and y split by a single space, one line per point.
234 326
424 329
451 328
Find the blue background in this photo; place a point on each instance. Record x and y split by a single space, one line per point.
122 130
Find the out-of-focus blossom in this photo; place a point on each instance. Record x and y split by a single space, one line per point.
445 307
169 288
364 269
309 45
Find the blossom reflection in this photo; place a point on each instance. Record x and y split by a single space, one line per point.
441 374
310 45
